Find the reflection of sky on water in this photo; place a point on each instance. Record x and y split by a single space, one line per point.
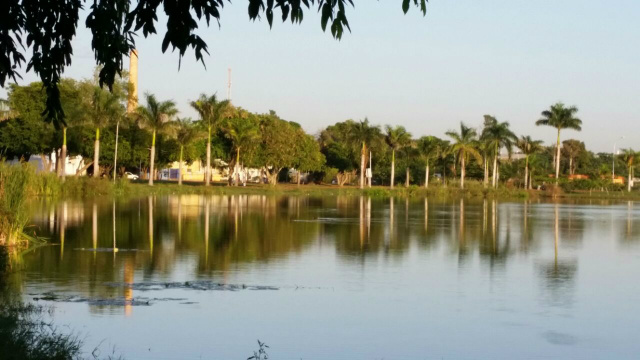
357 277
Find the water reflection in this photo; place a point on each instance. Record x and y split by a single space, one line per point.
203 236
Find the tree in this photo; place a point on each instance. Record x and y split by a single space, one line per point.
105 109
340 151
428 150
528 147
629 157
5 110
464 146
157 117
186 134
572 149
363 133
212 111
308 156
114 23
397 138
497 135
560 117
243 131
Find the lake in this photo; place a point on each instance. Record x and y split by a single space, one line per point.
341 277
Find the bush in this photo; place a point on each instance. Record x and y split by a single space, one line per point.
15 183
329 174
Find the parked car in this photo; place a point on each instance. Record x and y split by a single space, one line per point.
131 176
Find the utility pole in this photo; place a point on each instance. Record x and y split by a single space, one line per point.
229 85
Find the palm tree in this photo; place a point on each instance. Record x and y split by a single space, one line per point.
428 147
572 148
186 133
363 132
105 108
211 111
560 117
156 116
408 152
242 132
498 135
444 155
397 138
528 147
629 158
464 146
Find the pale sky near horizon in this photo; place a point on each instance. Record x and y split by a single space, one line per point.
466 58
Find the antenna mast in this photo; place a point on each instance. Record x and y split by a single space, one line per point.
229 85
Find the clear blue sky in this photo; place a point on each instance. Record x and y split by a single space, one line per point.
466 58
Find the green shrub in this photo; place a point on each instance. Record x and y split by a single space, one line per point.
329 174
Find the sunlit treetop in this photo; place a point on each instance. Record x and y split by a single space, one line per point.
47 28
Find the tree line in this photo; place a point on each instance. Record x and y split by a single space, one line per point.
113 141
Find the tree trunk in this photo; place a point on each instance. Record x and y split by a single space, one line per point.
462 171
526 171
180 166
298 173
84 168
273 176
558 157
62 160
408 177
426 177
207 170
362 161
486 172
571 165
629 180
115 156
96 155
495 171
152 158
393 166
45 163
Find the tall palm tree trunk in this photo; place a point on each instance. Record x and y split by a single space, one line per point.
408 177
362 160
207 171
629 179
62 160
495 171
236 178
96 155
526 171
180 166
152 158
115 155
558 157
426 176
462 171
486 172
393 166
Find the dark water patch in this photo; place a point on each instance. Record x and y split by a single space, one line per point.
558 338
190 285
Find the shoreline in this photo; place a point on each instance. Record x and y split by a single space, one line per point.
474 190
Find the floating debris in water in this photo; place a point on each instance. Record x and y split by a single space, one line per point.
116 301
108 250
190 285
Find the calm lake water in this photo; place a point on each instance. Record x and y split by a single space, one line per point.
342 277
